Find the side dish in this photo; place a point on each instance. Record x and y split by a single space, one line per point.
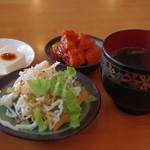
76 49
11 60
44 98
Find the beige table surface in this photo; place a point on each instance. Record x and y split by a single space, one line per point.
37 21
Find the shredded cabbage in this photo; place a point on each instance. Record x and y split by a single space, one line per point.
40 97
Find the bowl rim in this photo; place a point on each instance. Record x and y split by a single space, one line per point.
109 57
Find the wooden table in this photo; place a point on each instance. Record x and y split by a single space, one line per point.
37 21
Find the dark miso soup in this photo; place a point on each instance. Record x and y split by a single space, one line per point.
129 100
135 57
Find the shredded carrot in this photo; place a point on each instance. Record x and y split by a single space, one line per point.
12 91
63 119
82 96
17 91
49 73
42 68
23 88
76 82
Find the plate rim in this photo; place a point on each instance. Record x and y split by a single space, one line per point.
31 50
46 137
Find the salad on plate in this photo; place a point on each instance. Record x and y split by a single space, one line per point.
44 98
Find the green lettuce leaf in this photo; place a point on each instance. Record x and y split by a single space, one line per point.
70 100
76 90
70 72
60 85
58 88
39 120
89 99
74 120
52 82
39 87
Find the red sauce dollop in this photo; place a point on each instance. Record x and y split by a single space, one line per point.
8 56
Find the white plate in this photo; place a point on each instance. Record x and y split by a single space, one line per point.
19 46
